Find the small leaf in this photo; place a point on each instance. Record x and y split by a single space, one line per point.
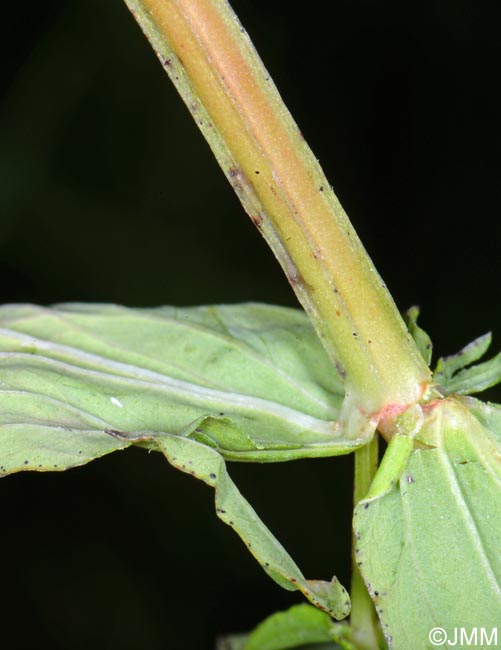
428 547
448 366
420 337
451 367
475 379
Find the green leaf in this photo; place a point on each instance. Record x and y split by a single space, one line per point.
243 382
428 544
420 337
475 379
453 377
448 366
237 642
251 380
208 465
299 626
302 627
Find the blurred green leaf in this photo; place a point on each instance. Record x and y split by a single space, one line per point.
300 626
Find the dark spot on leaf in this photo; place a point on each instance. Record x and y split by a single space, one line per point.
410 479
257 220
366 505
26 462
212 476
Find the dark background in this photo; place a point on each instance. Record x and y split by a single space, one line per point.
108 193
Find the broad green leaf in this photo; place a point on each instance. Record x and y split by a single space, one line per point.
208 465
420 337
251 380
243 382
487 413
428 545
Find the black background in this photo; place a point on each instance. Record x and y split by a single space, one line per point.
108 193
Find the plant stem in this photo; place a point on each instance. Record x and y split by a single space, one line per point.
214 66
363 617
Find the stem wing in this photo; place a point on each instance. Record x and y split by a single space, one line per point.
208 465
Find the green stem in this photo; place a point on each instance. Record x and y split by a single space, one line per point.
214 66
363 618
